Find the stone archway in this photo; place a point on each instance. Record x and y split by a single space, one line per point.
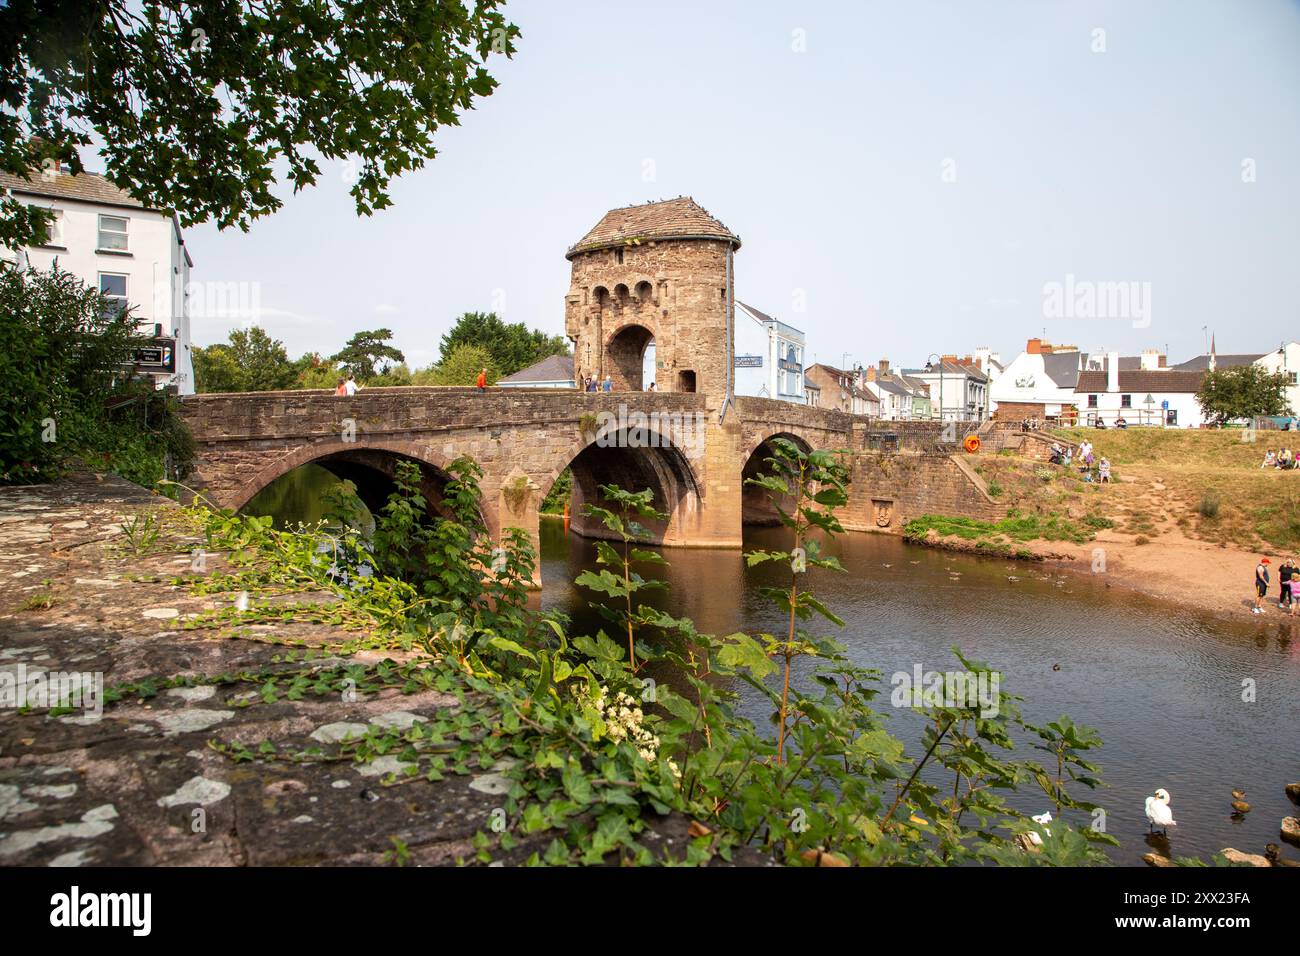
757 506
633 459
625 353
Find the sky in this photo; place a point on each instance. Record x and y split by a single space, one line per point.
907 177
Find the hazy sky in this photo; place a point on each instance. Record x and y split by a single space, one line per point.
826 135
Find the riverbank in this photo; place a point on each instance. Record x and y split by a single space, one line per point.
1186 519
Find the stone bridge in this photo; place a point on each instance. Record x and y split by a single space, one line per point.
524 439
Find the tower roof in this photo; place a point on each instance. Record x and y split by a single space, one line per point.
680 218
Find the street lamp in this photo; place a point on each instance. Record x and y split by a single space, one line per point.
930 365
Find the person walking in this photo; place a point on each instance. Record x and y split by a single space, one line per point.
350 386
608 385
592 384
1261 585
481 382
341 388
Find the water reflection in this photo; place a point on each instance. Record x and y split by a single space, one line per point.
1163 686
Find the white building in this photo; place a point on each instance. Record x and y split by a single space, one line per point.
135 255
769 357
1158 396
1285 359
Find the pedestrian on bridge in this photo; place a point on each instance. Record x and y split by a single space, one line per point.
607 385
482 380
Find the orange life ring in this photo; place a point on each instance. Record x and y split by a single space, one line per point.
971 444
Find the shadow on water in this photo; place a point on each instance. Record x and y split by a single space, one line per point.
297 497
1163 686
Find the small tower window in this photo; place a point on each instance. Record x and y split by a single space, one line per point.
618 256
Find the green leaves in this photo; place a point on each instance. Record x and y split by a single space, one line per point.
199 107
741 650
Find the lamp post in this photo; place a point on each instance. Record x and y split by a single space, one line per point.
930 364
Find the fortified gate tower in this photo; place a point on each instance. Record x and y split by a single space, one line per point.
656 273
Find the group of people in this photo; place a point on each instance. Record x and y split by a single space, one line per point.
1288 573
1065 456
589 383
1281 458
1120 422
346 386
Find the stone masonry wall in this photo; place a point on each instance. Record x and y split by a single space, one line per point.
673 288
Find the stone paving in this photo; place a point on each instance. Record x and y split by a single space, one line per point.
139 783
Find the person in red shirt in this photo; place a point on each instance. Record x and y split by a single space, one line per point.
482 380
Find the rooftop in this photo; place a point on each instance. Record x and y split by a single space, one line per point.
1156 380
553 368
680 218
87 187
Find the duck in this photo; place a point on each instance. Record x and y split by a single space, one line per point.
1043 819
1239 794
1158 812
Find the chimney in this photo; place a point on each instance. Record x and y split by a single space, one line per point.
884 366
1150 360
871 373
1112 371
1034 346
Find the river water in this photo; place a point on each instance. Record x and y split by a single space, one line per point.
1162 685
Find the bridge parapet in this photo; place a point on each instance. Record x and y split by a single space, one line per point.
262 416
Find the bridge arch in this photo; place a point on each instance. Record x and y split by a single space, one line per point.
634 458
371 465
757 506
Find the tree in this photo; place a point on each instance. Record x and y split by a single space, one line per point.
1243 391
197 104
64 355
365 350
512 347
251 361
461 367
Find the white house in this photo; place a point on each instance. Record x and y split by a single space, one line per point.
1038 383
1285 359
768 357
1157 395
133 254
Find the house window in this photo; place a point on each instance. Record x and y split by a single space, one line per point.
1291 377
1126 401
1092 401
113 285
55 229
112 233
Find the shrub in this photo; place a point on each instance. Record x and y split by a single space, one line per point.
1209 505
64 349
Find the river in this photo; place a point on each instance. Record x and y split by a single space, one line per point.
1162 685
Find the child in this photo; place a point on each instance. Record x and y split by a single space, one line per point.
1103 470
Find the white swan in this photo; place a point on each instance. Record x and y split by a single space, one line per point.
1158 812
1042 820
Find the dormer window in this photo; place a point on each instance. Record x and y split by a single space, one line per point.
113 233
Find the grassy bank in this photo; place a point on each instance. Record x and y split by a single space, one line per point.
1206 483
1002 537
